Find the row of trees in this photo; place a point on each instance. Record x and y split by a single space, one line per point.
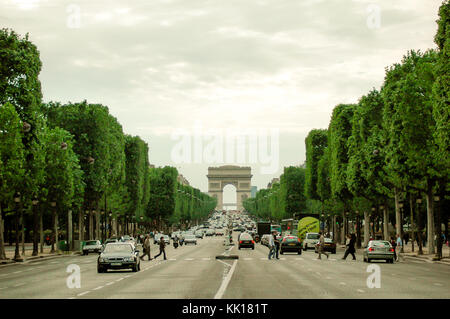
381 158
75 158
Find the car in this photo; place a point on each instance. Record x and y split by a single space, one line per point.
328 245
291 244
199 234
166 239
246 240
210 232
219 232
110 240
379 250
190 239
311 239
92 246
156 237
265 239
120 255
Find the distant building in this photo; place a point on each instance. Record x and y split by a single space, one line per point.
274 180
253 191
182 180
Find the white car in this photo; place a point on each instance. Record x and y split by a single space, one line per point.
310 241
190 239
92 246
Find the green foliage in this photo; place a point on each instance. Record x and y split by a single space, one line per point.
323 176
316 143
11 153
339 131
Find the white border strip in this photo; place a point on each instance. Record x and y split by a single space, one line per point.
225 282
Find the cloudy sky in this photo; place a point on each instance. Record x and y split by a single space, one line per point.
171 69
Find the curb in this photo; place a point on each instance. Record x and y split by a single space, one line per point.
38 258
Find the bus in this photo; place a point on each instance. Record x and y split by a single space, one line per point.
288 226
275 227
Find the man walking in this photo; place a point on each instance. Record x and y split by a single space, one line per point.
321 246
146 247
271 246
399 246
162 246
277 245
350 247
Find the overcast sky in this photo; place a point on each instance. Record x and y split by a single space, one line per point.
170 65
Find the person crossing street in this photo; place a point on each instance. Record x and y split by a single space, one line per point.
321 246
162 246
271 246
146 247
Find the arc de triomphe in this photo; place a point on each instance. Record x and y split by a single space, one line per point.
219 177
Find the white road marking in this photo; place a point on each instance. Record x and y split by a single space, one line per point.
300 258
333 259
263 258
54 262
99 287
172 259
282 258
328 278
110 283
224 262
438 284
127 276
248 258
84 293
3 288
342 283
119 279
189 259
225 282
17 272
206 258
18 285
360 290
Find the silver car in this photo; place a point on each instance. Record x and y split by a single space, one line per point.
92 246
379 249
190 239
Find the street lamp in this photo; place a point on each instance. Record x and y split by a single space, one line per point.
54 239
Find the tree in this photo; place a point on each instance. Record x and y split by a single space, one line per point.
316 143
11 162
407 92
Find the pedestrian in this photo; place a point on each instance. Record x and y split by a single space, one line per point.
406 238
399 246
162 246
271 246
394 245
277 245
146 247
321 246
350 247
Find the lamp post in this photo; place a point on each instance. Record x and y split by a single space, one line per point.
110 225
438 231
17 200
35 202
400 205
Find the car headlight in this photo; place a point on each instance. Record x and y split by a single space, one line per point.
128 259
102 259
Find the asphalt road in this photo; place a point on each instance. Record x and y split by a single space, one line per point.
192 272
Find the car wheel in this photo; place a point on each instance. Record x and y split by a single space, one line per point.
100 269
300 252
239 247
135 268
334 251
281 252
368 260
253 248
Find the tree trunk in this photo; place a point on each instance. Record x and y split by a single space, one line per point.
358 231
2 239
342 229
41 231
366 228
69 230
35 230
22 218
430 220
386 221
398 222
91 226
411 222
80 226
419 230
97 225
17 253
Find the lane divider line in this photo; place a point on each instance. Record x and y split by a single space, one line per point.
225 282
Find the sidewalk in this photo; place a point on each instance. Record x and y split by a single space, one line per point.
10 252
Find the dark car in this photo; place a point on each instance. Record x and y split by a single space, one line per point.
328 245
291 244
246 240
119 256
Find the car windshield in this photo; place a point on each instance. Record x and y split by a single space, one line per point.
118 249
190 237
92 242
313 236
290 239
380 244
245 236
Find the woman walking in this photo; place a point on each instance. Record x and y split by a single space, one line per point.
350 247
